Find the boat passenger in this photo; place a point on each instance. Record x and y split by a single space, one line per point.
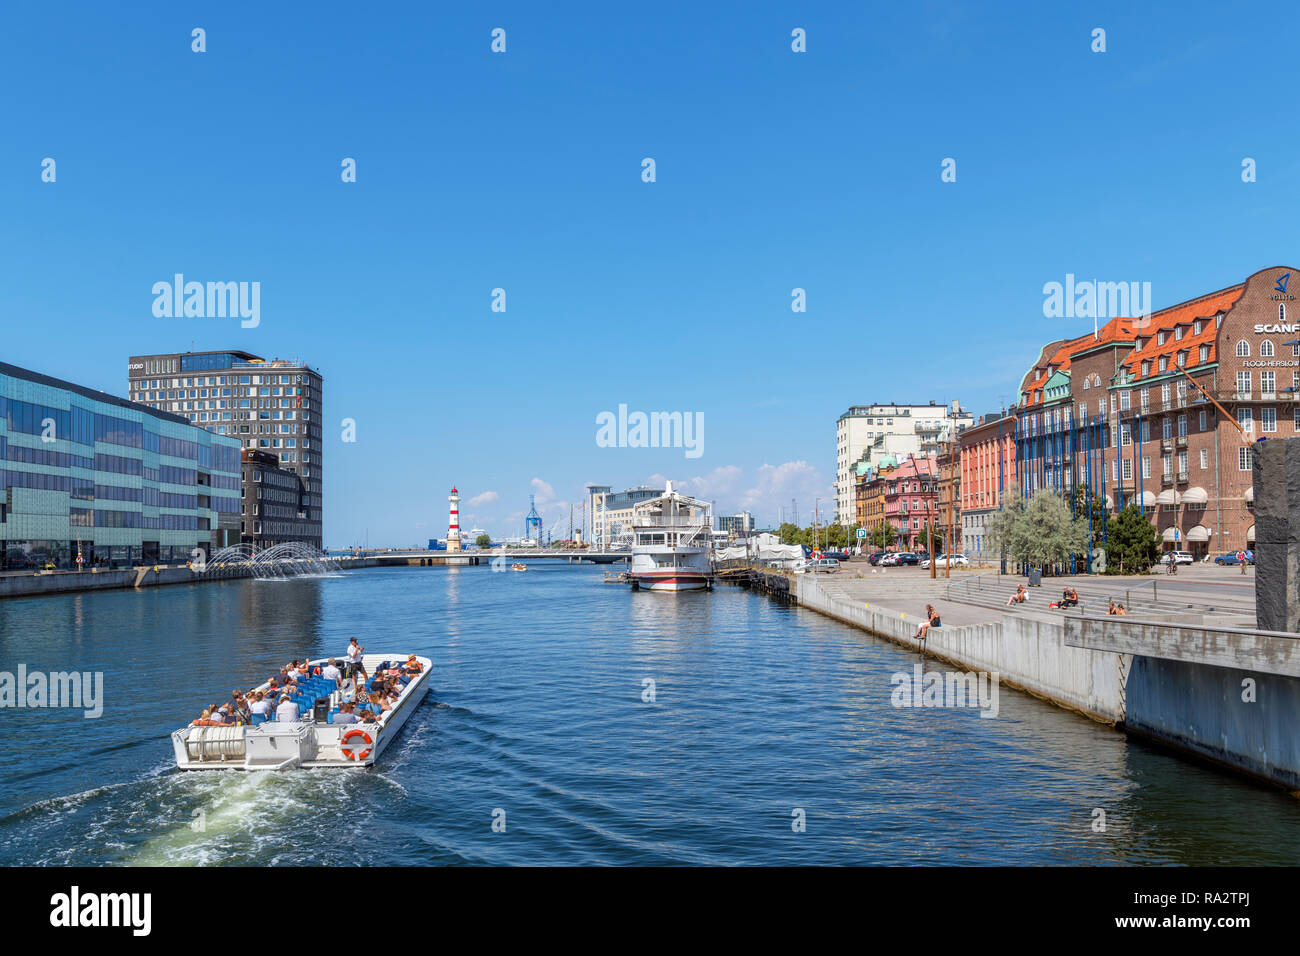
413 666
380 700
205 720
346 715
368 717
260 705
332 672
287 712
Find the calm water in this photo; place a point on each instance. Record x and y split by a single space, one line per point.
536 710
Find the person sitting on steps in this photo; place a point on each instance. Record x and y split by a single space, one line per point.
1020 597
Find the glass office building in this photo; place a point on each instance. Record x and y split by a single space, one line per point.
86 475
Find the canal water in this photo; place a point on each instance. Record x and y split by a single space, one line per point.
763 717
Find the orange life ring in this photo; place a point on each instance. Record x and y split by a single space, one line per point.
352 754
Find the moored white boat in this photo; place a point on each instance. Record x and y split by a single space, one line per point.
672 543
307 743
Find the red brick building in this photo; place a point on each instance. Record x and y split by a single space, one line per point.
1114 413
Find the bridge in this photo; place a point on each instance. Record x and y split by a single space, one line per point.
424 557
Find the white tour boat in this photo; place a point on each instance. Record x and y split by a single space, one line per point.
672 543
309 743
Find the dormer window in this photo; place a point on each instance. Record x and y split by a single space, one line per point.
1146 368
1196 327
1178 333
1160 338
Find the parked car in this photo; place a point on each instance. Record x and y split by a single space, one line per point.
1231 558
955 560
896 558
1180 557
837 555
818 566
876 557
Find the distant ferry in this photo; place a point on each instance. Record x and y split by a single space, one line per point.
315 741
672 543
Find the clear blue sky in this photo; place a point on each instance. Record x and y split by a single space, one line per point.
522 170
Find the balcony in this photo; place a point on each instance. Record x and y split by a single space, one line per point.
1182 441
1182 477
1166 480
1167 444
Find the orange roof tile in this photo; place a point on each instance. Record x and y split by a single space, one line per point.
1167 320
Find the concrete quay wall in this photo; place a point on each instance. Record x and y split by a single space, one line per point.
61 582
1025 653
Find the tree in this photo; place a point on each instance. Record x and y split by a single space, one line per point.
882 537
1040 531
1132 544
791 533
1079 505
1053 535
937 533
483 541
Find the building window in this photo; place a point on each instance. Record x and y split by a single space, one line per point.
1196 327
1200 423
1243 458
1268 419
1146 467
1267 382
1243 383
1146 369
1205 353
1164 362
1243 349
1245 419
1205 459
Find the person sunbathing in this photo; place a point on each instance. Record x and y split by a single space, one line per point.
931 620
1069 598
1020 597
205 720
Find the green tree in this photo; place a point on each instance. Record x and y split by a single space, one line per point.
882 537
791 533
1079 506
1053 535
923 540
1006 528
1132 544
483 541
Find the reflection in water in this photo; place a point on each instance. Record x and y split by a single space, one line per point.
536 707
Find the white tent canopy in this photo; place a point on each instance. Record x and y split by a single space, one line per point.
1170 533
1250 535
1199 533
1148 499
1196 495
1250 494
1167 497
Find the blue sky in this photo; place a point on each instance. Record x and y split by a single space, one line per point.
522 171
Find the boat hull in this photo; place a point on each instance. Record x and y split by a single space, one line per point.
676 580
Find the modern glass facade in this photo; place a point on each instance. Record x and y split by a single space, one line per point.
116 483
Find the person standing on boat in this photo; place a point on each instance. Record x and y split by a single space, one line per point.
355 666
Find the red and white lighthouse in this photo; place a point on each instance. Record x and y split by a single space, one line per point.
453 521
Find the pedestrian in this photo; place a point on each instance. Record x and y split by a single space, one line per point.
1241 559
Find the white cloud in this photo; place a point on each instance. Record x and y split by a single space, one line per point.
766 494
775 485
542 491
487 498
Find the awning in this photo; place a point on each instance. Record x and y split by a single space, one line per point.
1167 497
1169 534
1195 495
1250 494
1148 499
1199 533
1250 535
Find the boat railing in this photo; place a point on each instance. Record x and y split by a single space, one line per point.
670 522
